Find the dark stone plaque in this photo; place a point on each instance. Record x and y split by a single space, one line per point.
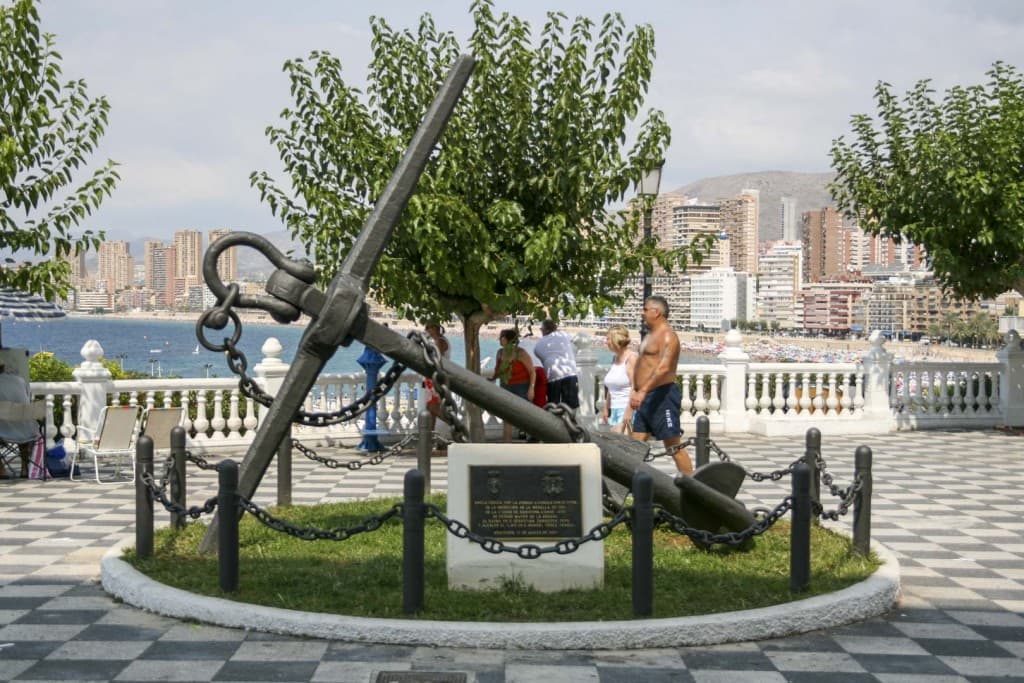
525 501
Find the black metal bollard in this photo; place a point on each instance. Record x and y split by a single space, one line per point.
702 447
800 531
862 505
643 545
178 487
227 531
412 543
284 470
143 499
811 455
424 446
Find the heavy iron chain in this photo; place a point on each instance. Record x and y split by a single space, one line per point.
250 388
765 519
846 498
450 410
158 492
528 551
199 461
376 459
576 432
775 475
239 364
671 450
307 533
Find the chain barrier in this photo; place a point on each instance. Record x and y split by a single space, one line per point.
764 520
158 491
528 551
307 533
671 450
199 461
353 465
847 497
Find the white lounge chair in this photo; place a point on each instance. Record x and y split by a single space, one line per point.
157 424
113 440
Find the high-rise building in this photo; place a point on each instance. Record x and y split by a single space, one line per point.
739 221
149 250
189 257
823 257
227 262
719 296
160 274
790 220
79 274
780 279
115 266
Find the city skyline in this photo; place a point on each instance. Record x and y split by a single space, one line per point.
746 86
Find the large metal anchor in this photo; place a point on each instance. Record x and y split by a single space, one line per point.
339 316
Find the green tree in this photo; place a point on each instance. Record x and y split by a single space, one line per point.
48 129
946 175
510 217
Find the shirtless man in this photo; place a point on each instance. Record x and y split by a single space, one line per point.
655 398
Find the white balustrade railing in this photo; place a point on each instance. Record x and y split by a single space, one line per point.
950 394
872 396
789 390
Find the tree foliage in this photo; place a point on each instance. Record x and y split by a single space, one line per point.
947 175
510 217
48 129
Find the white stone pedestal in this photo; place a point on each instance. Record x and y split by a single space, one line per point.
471 567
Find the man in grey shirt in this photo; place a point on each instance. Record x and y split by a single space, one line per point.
558 356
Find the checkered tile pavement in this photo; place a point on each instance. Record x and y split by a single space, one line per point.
948 503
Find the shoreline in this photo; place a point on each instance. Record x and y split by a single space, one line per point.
760 347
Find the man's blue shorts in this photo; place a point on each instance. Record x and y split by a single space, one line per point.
658 415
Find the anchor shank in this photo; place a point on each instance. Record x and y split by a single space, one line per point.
621 456
523 414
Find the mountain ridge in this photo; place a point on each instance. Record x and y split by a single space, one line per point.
810 190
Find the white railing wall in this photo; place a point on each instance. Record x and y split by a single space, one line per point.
874 395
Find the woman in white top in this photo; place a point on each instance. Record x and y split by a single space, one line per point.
619 381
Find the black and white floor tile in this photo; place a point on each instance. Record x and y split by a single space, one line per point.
949 504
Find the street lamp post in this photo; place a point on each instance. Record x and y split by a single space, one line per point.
120 359
648 190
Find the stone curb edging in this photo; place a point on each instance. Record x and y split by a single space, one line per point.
871 597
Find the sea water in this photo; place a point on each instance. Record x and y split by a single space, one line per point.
163 348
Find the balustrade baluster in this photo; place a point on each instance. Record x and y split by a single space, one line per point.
832 401
845 399
150 398
764 401
779 394
186 401
49 428
818 401
250 422
133 399
234 420
700 403
958 393
858 391
687 402
67 426
202 422
218 422
971 394
756 403
805 391
714 402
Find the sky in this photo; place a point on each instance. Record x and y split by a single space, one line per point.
746 85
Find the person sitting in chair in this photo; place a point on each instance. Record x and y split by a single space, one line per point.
23 432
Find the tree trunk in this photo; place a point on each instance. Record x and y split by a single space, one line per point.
471 325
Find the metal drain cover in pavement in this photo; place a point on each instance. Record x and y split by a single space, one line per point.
420 677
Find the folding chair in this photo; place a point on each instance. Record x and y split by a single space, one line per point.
19 433
157 424
113 440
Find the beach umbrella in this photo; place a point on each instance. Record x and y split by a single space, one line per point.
29 307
